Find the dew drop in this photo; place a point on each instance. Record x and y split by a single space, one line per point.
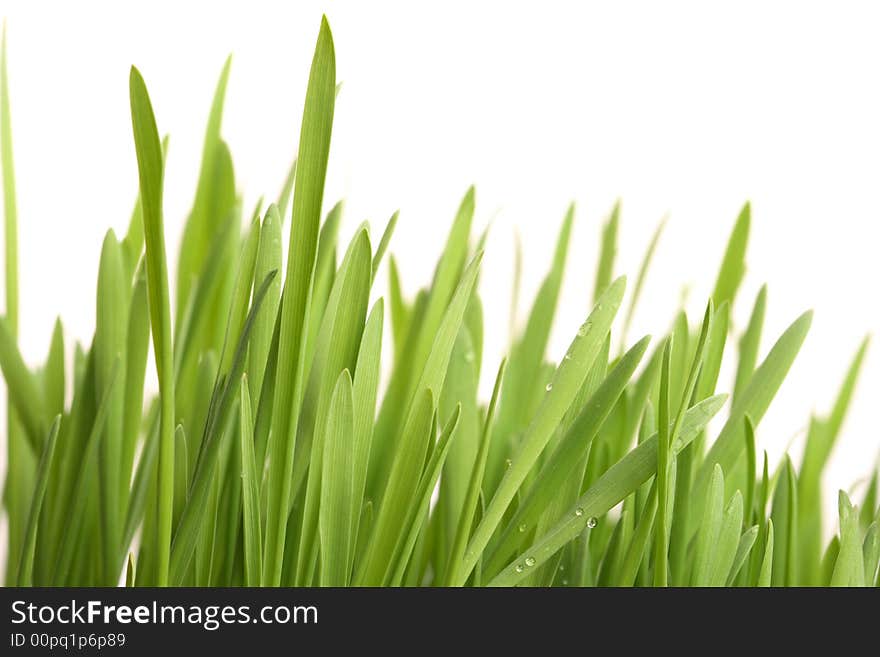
578 512
548 387
592 522
508 463
586 326
565 582
530 561
469 357
519 568
522 528
567 357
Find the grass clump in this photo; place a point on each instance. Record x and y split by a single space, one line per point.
272 455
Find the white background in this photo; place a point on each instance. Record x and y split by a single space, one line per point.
680 108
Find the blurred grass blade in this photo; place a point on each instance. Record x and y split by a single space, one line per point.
26 561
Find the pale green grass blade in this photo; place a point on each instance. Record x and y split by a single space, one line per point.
610 489
10 210
130 571
384 241
53 372
527 358
364 395
733 266
136 353
268 259
150 168
336 351
189 528
635 552
560 392
241 294
75 513
821 438
403 385
198 229
324 277
110 340
664 444
139 489
469 506
743 550
405 469
339 509
749 344
751 464
421 501
24 392
311 169
849 568
869 502
714 352
709 530
400 313
181 470
392 507
755 399
286 191
784 516
607 253
765 575
26 561
871 549
640 279
725 549
460 390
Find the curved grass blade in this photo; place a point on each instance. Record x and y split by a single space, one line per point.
560 393
619 481
571 450
226 391
469 506
755 399
26 561
150 169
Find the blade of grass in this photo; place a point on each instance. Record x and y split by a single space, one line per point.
610 489
338 511
311 170
733 265
150 168
560 392
26 561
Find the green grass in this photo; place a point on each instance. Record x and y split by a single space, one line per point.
277 453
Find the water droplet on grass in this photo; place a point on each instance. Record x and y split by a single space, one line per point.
530 561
